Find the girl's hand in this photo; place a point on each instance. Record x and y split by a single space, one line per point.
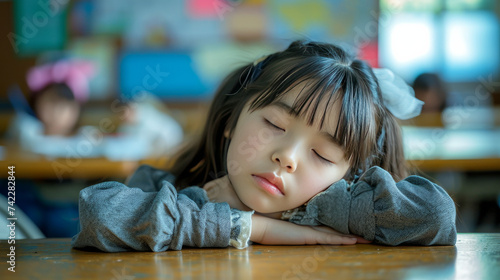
221 190
277 232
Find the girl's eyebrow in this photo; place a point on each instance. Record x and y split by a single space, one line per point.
285 107
330 138
290 111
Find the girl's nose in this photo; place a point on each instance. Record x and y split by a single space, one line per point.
287 159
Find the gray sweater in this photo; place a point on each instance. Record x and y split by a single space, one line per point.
150 215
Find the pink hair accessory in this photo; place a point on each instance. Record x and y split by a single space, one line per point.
74 73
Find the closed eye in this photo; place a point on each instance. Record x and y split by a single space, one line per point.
273 125
322 158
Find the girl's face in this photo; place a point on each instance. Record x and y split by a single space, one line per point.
277 162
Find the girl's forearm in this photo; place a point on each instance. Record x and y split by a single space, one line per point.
271 231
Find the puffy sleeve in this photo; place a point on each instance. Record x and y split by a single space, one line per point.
149 215
413 211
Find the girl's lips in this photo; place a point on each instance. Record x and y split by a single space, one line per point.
267 186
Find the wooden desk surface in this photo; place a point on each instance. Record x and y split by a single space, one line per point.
476 256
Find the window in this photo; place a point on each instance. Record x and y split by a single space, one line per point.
459 39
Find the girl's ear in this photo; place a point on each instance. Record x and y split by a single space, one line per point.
227 133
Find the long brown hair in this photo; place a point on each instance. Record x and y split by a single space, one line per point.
367 131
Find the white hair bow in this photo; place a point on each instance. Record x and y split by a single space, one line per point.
399 98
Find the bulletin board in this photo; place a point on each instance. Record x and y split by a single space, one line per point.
39 26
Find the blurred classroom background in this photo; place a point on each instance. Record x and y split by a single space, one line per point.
162 60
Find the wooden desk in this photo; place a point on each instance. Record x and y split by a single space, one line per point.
475 164
84 168
29 165
476 256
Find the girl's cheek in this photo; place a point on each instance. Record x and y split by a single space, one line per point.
319 179
245 145
313 182
255 137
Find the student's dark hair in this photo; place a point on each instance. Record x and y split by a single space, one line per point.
366 130
427 81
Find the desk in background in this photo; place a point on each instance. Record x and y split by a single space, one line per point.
102 168
39 167
433 152
428 149
439 149
475 256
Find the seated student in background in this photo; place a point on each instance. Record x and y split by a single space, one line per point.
146 130
50 125
431 90
58 91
